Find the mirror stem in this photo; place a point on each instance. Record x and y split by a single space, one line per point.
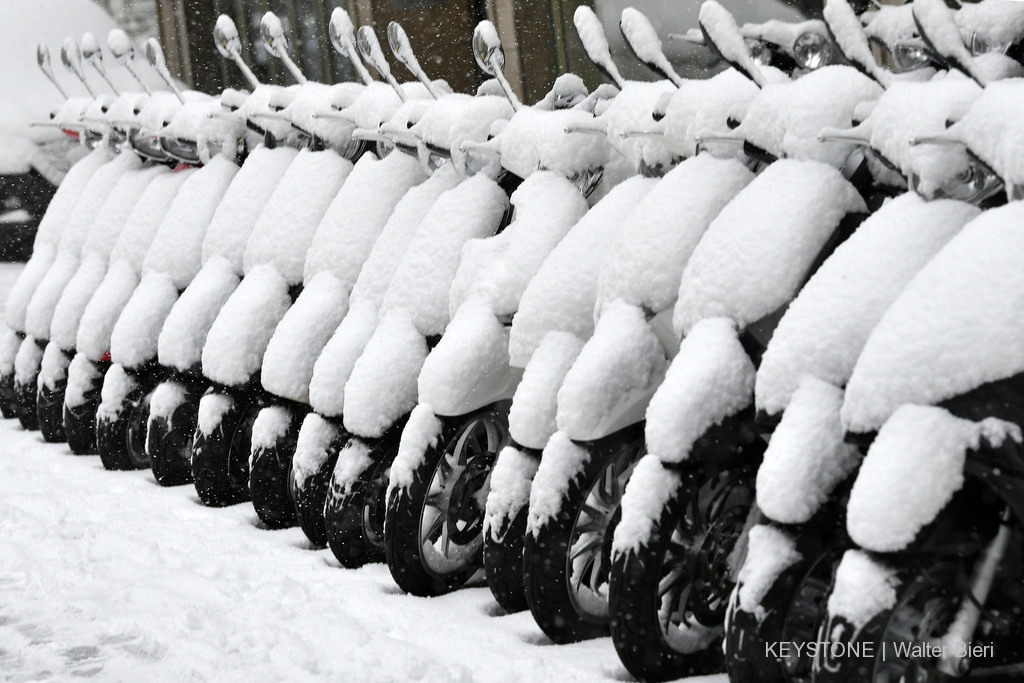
503 82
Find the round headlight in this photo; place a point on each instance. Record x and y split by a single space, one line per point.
980 45
909 57
759 51
812 50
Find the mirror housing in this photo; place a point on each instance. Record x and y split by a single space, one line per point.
124 52
342 33
643 40
156 59
595 43
45 65
71 58
92 53
490 57
398 40
369 48
277 44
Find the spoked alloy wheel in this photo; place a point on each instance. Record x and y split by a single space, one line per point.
566 561
433 537
669 596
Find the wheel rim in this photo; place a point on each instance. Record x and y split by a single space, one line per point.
589 558
451 520
921 616
696 577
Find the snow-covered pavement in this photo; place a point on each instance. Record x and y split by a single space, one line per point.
107 575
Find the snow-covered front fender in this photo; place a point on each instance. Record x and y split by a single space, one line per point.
612 381
334 366
180 344
469 367
134 337
914 467
531 419
710 379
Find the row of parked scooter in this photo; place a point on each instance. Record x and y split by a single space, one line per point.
726 367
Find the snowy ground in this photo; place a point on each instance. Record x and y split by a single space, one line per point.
107 575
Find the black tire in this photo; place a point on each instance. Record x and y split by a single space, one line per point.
80 420
452 475
50 412
685 569
270 476
122 441
220 461
25 395
8 397
564 608
503 562
309 498
354 519
169 444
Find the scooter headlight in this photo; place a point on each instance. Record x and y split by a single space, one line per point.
759 50
185 151
812 50
909 57
147 145
980 45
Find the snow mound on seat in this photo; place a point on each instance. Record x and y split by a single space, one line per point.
954 327
756 253
828 323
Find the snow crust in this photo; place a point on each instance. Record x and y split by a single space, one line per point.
536 139
953 328
562 294
82 376
147 216
311 449
623 356
806 457
27 361
332 369
892 24
117 384
646 260
631 111
991 131
560 463
239 336
177 246
9 343
181 339
422 431
911 472
269 426
53 367
863 588
457 118
300 336
531 419
770 551
382 385
285 228
703 107
165 400
710 379
828 323
212 409
650 488
67 314
998 21
511 481
243 202
745 269
133 341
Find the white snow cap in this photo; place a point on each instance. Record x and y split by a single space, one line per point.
531 419
285 228
311 448
992 129
147 216
645 262
511 481
458 118
953 328
103 310
422 431
911 472
892 24
537 139
562 294
181 340
828 323
177 246
757 252
560 463
770 552
133 341
806 457
242 203
422 280
995 21
711 378
631 111
650 488
863 588
785 119
703 107
498 269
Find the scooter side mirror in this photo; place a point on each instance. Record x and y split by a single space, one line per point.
937 25
228 44
277 44
120 45
71 58
369 48
595 43
43 60
156 59
643 40
398 40
92 53
847 34
723 38
342 33
490 57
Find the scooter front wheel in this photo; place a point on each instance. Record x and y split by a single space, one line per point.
433 534
270 473
220 460
121 439
8 397
169 445
354 512
669 596
503 561
25 395
50 412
